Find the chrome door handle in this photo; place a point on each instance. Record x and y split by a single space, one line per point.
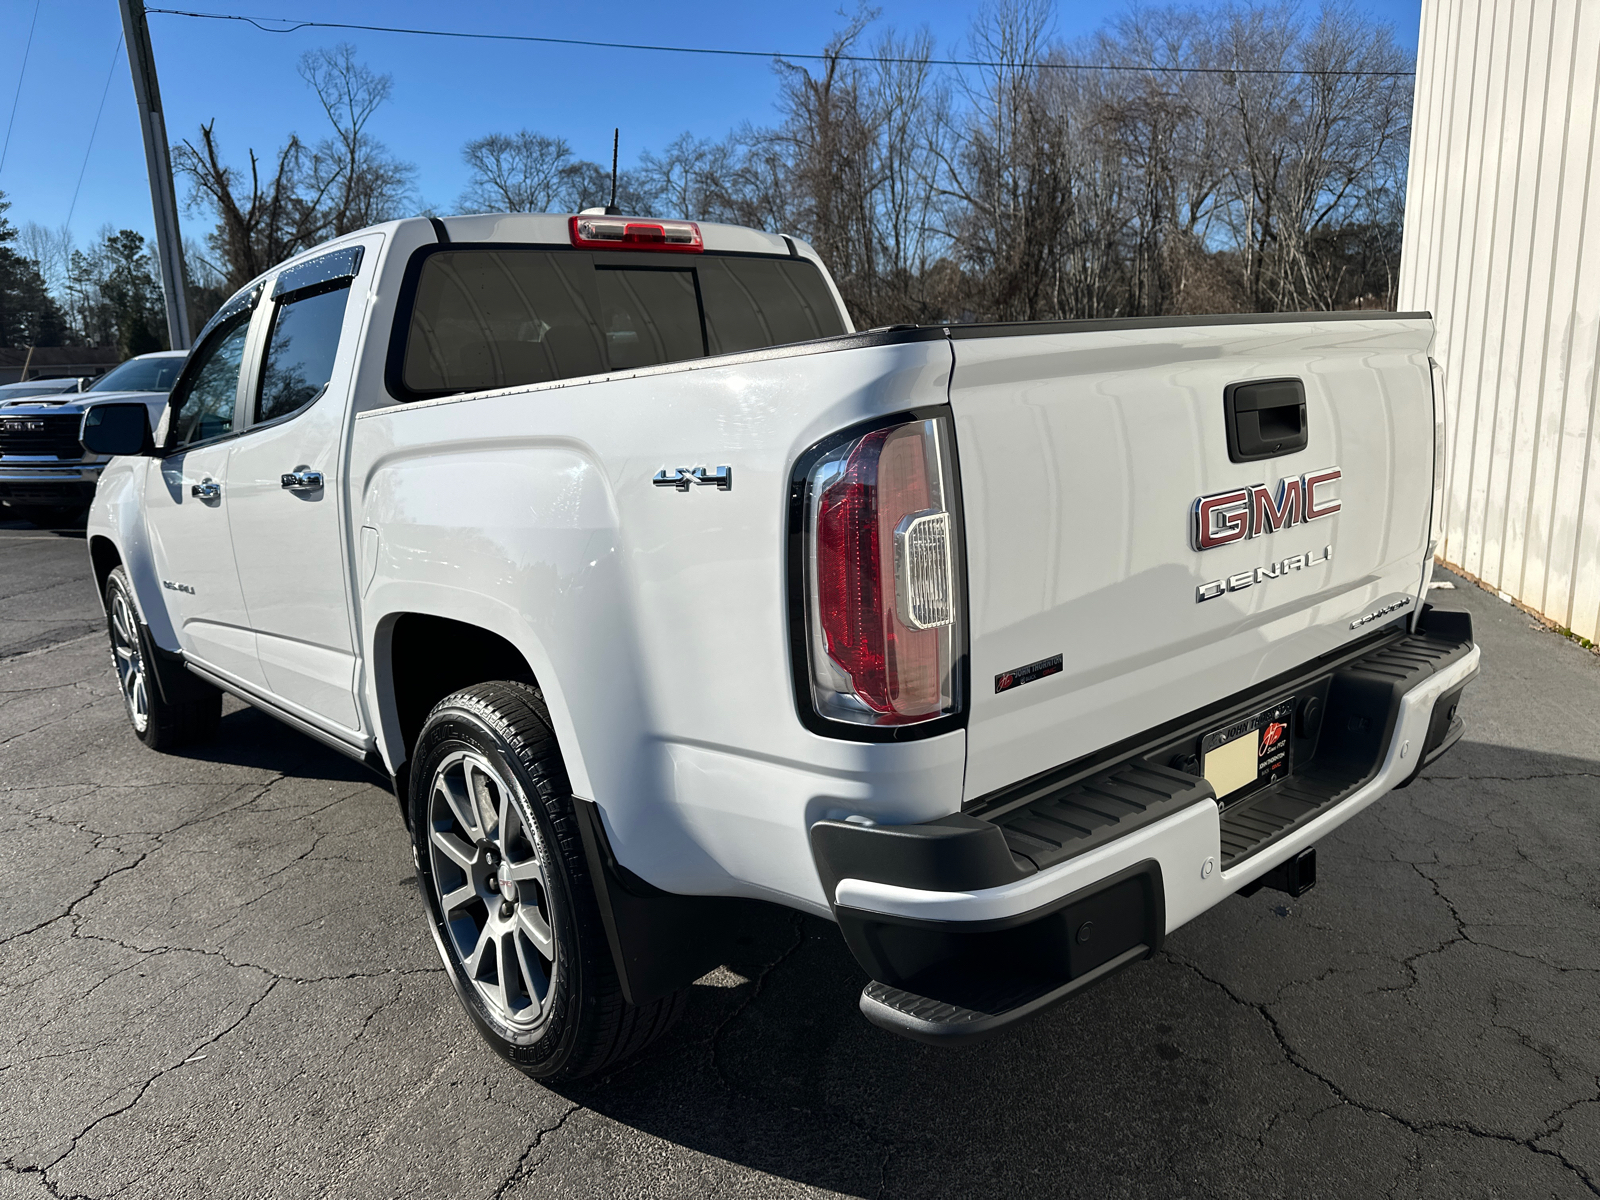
302 481
208 490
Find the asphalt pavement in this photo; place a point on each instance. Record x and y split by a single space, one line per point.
215 981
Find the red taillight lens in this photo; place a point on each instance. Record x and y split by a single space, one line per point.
882 602
631 233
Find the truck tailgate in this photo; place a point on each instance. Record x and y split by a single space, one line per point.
1083 451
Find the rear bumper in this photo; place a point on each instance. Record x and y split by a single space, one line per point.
973 922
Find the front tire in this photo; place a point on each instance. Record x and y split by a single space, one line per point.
187 711
510 902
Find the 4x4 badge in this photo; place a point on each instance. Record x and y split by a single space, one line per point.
722 478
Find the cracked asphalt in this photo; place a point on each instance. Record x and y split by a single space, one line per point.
215 981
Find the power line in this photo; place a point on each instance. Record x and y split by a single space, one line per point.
292 26
104 92
6 149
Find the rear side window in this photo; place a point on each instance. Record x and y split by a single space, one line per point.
300 351
494 317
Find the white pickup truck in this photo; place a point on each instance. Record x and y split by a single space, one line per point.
657 590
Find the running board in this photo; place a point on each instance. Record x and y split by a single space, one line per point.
367 756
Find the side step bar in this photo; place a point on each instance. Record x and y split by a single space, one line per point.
941 1023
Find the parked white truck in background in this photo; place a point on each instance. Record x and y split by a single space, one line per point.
45 474
657 590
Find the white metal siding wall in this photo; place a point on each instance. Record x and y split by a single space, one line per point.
1502 244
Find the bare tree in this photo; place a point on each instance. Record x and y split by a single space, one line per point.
306 194
684 178
1180 160
516 172
1011 196
363 182
1316 143
260 220
854 168
50 249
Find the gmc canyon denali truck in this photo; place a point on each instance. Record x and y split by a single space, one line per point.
657 590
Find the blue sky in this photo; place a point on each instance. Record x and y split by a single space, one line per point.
445 91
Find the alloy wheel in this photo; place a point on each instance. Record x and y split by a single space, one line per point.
129 658
492 884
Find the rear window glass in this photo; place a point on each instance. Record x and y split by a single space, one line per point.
650 316
494 318
753 303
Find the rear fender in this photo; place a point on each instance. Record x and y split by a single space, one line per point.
522 544
655 619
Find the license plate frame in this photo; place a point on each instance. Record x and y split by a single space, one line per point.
1272 729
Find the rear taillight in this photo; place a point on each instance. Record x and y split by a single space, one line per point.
633 233
883 605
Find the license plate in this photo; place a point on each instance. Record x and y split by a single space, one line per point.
1249 754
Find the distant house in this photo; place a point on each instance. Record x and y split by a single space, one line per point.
1502 244
56 362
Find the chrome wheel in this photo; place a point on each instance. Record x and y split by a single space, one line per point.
131 677
491 880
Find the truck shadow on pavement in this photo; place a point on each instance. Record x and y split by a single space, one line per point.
250 738
1329 1040
1425 1018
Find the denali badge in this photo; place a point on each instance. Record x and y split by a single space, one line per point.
1244 579
722 477
1248 512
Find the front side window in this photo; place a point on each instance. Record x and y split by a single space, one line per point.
203 405
301 347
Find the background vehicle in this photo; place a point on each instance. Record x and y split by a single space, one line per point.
45 473
11 392
657 590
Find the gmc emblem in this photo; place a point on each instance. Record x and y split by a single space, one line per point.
1248 512
17 426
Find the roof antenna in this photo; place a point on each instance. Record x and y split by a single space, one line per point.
611 209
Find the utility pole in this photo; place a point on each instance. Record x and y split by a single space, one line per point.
158 165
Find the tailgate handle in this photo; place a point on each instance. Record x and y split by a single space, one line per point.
1265 418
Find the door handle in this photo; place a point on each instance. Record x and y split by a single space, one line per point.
206 490
302 481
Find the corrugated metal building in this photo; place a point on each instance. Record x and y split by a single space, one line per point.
1502 244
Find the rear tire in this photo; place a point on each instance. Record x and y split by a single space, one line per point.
187 710
509 898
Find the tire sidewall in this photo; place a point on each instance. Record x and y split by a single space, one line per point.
454 725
